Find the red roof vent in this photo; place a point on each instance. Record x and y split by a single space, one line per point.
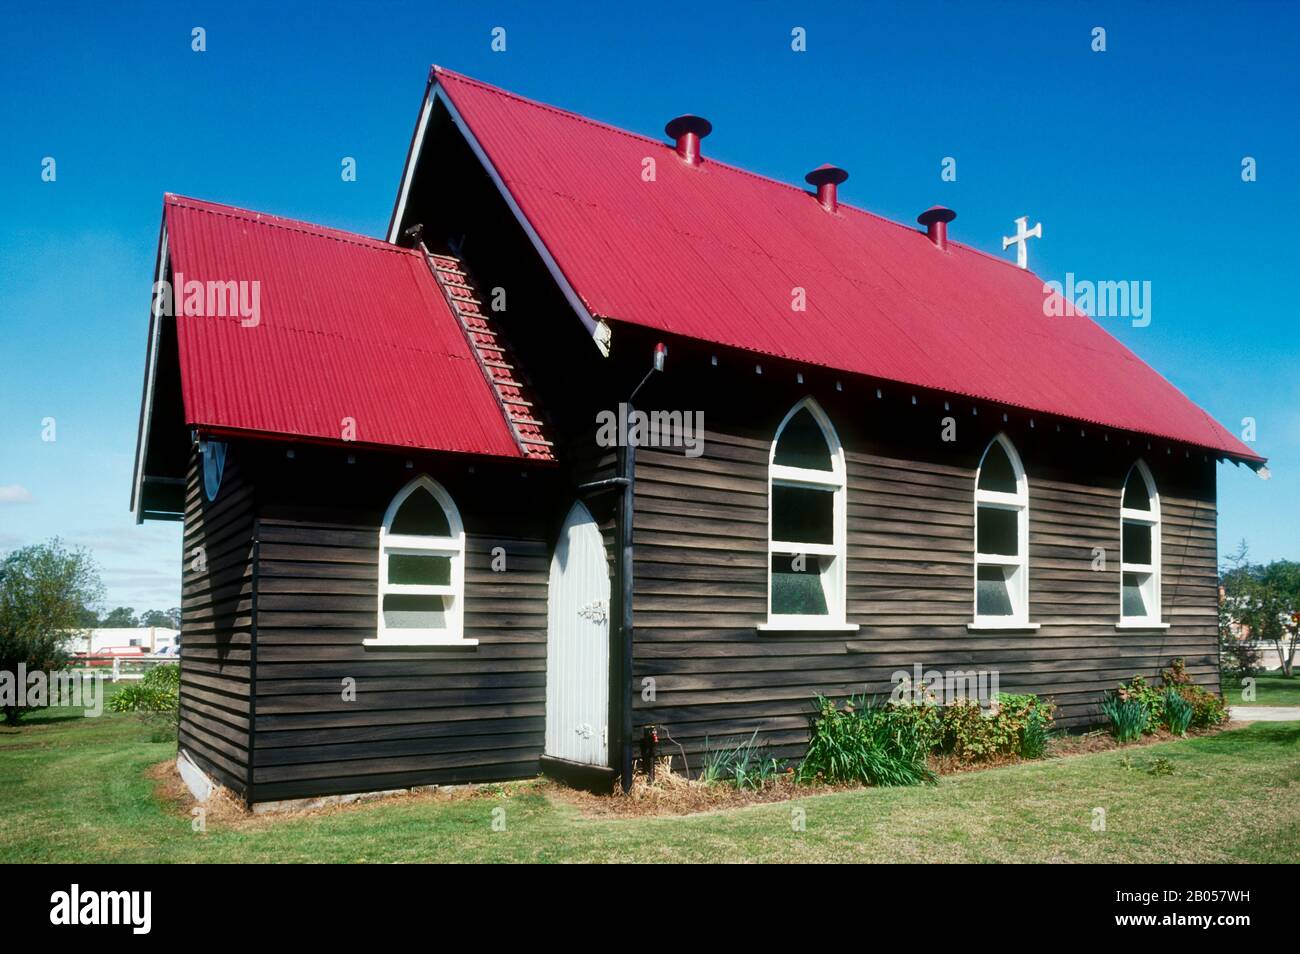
936 219
687 131
826 178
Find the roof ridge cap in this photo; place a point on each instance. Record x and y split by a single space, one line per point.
443 71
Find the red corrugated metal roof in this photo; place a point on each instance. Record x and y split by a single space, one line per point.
349 327
713 252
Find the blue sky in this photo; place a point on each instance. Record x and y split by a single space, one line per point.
1131 159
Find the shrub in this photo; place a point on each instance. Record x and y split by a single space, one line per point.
1128 716
1151 699
1208 708
1178 711
744 763
869 742
164 677
1015 725
156 697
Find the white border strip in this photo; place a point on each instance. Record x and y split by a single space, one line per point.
412 159
150 375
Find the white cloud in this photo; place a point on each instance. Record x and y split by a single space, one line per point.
14 493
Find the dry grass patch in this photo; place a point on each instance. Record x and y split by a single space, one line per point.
227 810
674 794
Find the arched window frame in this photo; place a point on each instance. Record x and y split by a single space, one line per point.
835 481
1149 584
452 546
1018 584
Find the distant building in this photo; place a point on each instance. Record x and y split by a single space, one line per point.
149 639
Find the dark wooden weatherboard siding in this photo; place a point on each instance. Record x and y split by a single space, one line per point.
421 716
700 551
216 620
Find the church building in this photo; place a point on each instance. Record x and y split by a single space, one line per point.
606 434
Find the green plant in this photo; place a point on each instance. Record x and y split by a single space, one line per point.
166 676
1160 766
1208 708
1155 767
156 697
1128 716
869 742
1015 725
745 763
1033 740
1178 711
1152 699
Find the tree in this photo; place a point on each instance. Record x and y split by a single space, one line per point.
1265 600
121 618
1238 655
44 590
1280 580
156 618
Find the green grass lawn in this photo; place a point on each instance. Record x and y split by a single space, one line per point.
1270 690
73 790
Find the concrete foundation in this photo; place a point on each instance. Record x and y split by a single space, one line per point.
195 779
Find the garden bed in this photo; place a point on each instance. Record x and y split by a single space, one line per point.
860 742
673 794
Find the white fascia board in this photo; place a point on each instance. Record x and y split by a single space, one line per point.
408 173
150 379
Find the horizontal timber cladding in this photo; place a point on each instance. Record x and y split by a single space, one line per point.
216 620
435 715
701 551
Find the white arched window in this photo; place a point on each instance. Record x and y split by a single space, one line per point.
421 569
1139 549
806 523
1001 538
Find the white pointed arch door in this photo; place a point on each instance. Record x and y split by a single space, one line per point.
577 644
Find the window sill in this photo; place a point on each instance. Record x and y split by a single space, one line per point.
1139 624
797 627
1008 627
415 642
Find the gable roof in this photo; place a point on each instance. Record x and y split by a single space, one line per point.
712 252
349 327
